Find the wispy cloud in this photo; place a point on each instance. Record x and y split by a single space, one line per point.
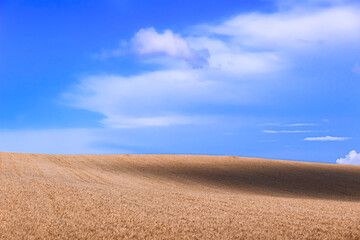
352 158
300 124
135 122
326 138
293 29
150 99
287 124
291 131
270 131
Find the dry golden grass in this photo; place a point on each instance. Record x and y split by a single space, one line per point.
175 197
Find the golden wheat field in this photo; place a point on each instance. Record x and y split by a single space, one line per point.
175 197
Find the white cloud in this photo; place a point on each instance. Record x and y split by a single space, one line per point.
270 131
119 121
326 138
289 131
288 124
293 29
242 56
228 57
297 131
300 124
352 158
151 99
150 42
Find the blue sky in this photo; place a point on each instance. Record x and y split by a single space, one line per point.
272 79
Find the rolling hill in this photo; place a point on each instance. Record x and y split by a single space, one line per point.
175 196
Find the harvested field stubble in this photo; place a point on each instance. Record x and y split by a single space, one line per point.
172 197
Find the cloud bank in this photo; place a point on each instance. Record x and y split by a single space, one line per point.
234 62
352 158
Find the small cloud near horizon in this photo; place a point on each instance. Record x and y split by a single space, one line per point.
352 158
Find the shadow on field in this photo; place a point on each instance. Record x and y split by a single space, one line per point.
336 182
